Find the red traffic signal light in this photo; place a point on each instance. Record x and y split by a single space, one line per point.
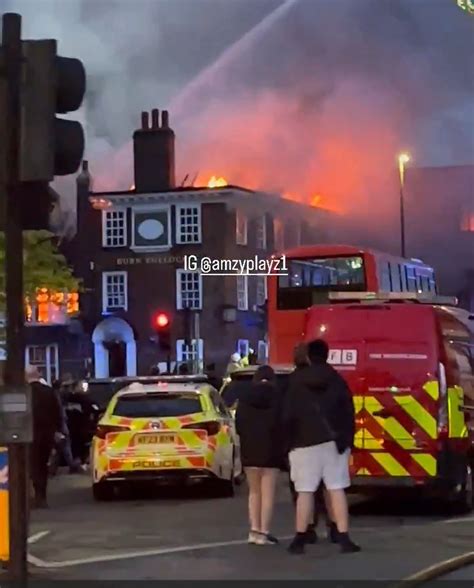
161 320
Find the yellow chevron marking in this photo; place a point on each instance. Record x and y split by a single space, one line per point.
420 415
427 462
390 464
363 472
370 442
395 430
358 403
432 388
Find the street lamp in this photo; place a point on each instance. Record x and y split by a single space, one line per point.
403 159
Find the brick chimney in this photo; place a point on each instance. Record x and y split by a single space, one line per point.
153 152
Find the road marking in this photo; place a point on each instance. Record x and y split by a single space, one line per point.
134 554
459 520
37 536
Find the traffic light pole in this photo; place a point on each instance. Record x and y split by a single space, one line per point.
14 367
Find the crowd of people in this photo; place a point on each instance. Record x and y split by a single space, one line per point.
64 419
308 429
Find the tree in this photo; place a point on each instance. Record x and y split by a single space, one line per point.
44 266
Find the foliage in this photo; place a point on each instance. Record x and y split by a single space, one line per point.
44 266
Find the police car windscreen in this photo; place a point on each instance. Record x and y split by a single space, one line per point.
157 406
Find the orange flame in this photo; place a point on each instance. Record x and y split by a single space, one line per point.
216 182
316 200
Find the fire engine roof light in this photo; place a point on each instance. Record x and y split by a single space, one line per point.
424 298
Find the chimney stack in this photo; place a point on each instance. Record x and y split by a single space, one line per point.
153 150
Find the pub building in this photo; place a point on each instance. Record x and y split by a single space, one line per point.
130 248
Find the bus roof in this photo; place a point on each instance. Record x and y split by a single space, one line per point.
330 250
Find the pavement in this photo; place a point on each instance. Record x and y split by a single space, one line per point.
182 534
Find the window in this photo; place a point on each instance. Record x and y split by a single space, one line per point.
241 227
310 280
152 406
395 277
262 352
467 221
114 291
243 347
385 282
261 295
242 293
278 235
45 358
261 233
298 234
186 353
151 227
114 228
188 290
403 277
188 223
411 278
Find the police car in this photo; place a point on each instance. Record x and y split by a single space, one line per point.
168 431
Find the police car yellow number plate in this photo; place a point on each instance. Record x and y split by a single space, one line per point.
155 439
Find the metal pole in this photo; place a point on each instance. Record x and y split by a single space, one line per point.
402 221
196 341
15 360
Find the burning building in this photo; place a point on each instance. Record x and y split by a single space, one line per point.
130 249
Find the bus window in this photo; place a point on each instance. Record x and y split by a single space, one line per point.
403 278
309 280
395 277
385 282
411 278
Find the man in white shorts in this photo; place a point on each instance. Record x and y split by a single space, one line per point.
320 421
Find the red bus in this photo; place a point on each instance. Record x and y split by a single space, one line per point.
316 270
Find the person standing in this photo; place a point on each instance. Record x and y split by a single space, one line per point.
258 422
234 364
321 423
321 501
47 421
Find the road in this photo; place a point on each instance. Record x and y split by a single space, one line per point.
182 534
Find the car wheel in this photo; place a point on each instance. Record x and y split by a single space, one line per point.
464 501
103 492
225 488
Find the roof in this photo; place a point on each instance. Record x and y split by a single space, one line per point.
150 379
279 369
329 250
138 388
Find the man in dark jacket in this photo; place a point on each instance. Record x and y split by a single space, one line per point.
47 421
320 422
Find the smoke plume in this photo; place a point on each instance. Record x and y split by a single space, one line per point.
310 98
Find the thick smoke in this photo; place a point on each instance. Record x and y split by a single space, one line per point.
318 99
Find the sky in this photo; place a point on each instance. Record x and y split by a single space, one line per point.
310 98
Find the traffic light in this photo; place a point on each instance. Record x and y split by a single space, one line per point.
162 327
49 146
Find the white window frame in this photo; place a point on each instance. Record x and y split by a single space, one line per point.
245 343
121 210
184 355
261 290
50 349
179 233
241 236
261 232
141 208
179 294
242 292
105 275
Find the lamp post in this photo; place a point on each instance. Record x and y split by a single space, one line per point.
403 159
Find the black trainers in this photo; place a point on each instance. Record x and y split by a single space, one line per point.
347 545
311 535
333 533
296 547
